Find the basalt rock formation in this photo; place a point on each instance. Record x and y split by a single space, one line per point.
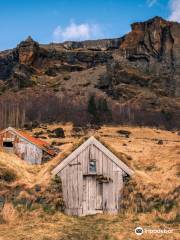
138 74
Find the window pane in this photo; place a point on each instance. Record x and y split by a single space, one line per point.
92 165
8 144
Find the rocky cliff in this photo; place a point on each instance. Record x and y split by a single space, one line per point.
139 72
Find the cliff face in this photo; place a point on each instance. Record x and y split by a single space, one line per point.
153 46
141 68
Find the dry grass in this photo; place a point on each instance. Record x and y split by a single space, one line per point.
154 185
23 172
9 213
40 226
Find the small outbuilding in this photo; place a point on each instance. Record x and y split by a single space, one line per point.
28 148
92 179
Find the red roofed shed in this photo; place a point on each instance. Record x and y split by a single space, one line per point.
25 146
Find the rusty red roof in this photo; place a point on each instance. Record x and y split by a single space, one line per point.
38 142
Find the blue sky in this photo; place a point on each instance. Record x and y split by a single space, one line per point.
59 20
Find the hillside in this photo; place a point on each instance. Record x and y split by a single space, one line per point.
31 200
132 79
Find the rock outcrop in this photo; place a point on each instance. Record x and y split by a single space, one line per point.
95 45
28 51
140 69
153 47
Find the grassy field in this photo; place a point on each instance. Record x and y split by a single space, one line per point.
40 226
150 198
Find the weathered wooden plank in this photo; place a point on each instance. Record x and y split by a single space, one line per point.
105 165
110 168
67 187
110 192
83 153
118 184
96 157
94 193
70 185
99 195
87 160
62 175
113 198
73 184
80 181
84 204
105 196
89 194
100 161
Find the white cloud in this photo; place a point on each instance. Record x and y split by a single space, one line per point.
77 32
151 3
175 10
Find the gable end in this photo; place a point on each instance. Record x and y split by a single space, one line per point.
101 147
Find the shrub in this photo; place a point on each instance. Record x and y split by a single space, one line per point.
59 132
92 109
167 115
7 175
67 77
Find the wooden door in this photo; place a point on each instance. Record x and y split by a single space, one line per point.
92 195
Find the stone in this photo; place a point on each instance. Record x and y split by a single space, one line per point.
59 132
124 133
28 51
160 142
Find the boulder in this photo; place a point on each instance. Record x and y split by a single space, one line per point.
124 133
56 133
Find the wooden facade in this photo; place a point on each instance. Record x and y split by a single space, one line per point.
92 179
26 147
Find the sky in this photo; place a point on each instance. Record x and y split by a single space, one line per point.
60 20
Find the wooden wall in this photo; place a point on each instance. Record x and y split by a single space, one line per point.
83 192
22 148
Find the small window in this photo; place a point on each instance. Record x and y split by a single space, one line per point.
92 166
8 144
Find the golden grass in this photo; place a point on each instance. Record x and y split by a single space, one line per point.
156 177
25 173
9 213
40 226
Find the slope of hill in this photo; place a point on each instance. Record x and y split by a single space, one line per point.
150 198
135 78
